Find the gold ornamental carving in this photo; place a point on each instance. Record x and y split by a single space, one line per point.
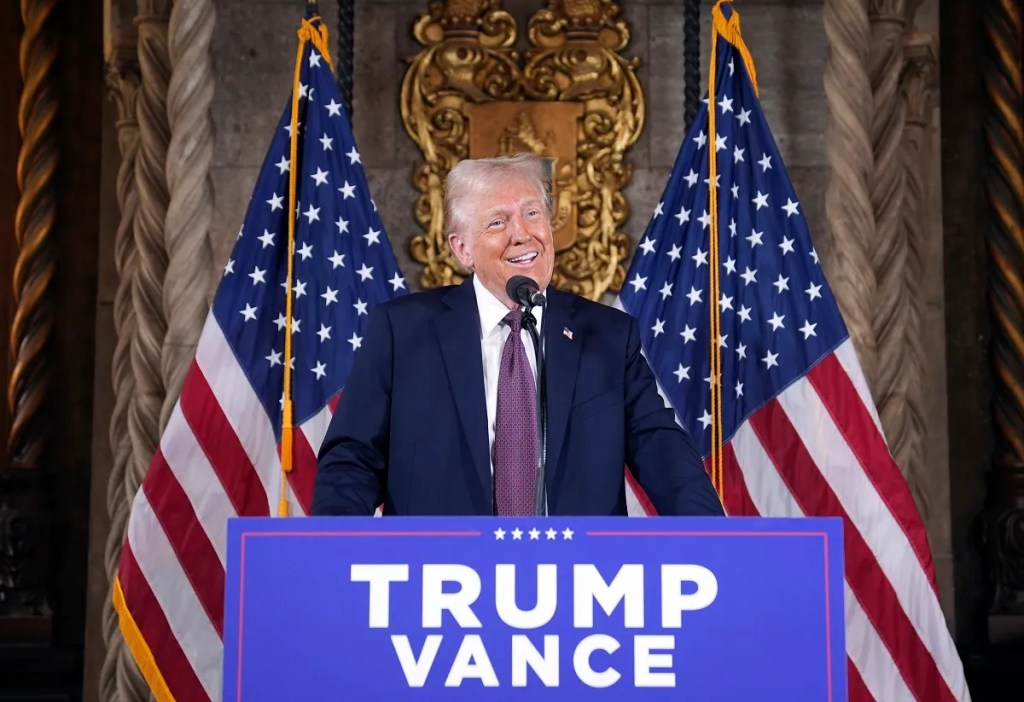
570 98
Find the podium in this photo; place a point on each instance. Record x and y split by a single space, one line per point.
488 608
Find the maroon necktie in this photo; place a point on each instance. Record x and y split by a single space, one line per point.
515 427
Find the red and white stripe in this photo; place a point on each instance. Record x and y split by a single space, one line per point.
218 458
817 449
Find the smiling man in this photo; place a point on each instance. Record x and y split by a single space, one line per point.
439 415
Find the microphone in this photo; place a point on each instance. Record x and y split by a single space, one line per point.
524 291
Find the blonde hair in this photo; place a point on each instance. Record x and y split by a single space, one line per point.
471 176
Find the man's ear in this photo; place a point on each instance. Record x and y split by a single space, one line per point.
461 251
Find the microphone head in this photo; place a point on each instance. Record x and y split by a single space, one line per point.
521 288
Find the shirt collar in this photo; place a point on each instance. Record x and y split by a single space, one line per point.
492 310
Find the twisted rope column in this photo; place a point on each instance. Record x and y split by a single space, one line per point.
346 63
918 86
1004 185
190 209
691 60
889 250
848 208
123 84
147 286
147 342
34 219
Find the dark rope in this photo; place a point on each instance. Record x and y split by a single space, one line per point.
346 35
691 60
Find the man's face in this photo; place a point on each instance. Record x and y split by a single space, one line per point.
509 233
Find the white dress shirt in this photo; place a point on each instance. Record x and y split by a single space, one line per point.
492 342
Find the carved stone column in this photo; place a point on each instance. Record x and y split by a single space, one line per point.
848 206
123 83
889 249
147 293
1004 182
146 337
190 207
918 88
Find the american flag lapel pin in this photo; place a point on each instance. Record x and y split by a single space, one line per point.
567 332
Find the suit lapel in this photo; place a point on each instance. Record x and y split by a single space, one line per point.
562 344
458 332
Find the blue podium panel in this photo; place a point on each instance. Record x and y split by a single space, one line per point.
478 608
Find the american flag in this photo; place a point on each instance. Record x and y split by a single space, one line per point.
218 456
801 434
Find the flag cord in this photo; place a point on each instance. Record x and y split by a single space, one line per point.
730 30
713 295
287 428
307 33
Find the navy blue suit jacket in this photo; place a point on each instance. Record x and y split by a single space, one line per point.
411 433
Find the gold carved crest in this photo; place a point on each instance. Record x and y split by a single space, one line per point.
571 98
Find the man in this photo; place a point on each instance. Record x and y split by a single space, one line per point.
439 412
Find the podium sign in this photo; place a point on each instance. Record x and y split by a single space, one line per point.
484 608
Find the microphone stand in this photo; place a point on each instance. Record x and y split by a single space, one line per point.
530 322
